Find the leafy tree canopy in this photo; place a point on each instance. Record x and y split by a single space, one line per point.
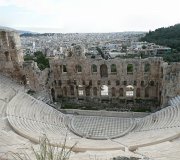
169 37
40 58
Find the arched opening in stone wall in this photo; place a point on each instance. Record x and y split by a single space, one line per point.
117 82
142 83
138 92
129 68
94 68
151 83
153 89
113 90
7 56
64 68
64 91
59 83
147 92
147 67
87 89
121 92
78 68
104 90
72 90
90 83
80 90
53 94
103 71
113 68
95 91
129 91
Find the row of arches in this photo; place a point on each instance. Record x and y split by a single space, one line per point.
104 69
109 82
104 90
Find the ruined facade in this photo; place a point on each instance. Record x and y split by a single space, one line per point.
12 62
11 55
96 79
170 81
77 76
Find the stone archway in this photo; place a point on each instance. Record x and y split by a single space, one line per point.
129 91
87 89
113 90
95 91
53 94
103 70
121 92
147 92
72 90
138 92
64 91
7 56
104 90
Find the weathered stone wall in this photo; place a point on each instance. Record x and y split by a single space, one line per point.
171 82
11 55
79 77
147 82
36 79
12 62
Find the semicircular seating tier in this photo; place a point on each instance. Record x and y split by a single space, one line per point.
32 118
9 140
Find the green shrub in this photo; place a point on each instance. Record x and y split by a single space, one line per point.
46 152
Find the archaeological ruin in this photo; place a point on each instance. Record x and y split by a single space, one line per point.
79 78
92 79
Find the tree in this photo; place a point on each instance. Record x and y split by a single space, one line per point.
40 58
144 47
165 36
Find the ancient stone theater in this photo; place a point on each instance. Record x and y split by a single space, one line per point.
79 78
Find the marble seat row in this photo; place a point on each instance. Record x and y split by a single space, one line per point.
32 118
135 140
168 150
30 108
9 140
165 118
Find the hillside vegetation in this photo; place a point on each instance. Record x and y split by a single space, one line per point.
40 58
169 37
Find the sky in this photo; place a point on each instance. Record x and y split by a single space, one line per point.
73 16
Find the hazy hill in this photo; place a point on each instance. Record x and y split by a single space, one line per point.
169 36
6 28
19 31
